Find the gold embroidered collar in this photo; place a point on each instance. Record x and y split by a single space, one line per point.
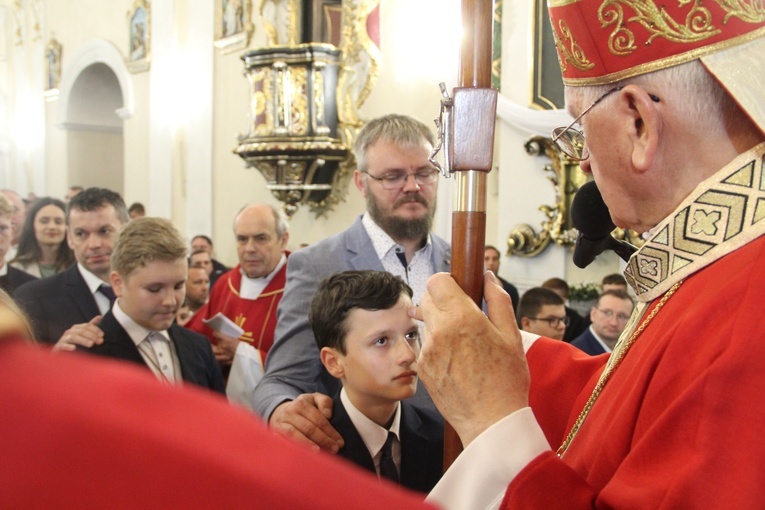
723 213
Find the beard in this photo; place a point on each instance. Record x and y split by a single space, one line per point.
401 229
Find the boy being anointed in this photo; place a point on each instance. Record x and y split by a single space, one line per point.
367 340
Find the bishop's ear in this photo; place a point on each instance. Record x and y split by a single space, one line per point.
647 126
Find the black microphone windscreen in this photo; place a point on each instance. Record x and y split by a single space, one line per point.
589 212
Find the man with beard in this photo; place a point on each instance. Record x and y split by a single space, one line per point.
399 185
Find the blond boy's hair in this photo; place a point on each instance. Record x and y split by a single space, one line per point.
145 240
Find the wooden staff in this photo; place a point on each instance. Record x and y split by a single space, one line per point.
471 148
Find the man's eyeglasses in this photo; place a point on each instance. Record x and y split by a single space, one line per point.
397 180
552 321
571 140
608 314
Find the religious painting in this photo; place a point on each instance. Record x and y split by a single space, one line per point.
52 64
547 91
233 24
139 41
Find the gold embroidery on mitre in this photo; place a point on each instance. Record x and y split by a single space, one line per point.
752 11
697 25
574 54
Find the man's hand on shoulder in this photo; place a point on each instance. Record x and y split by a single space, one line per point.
86 334
306 420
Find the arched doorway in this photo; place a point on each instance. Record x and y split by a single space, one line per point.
96 96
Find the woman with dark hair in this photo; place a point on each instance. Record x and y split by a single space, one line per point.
43 250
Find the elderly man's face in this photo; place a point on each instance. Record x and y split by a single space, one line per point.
258 245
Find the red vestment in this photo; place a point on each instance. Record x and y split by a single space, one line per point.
256 316
85 433
678 423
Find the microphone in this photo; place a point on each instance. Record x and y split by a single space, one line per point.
589 214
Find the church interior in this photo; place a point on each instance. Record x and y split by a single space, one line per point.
195 108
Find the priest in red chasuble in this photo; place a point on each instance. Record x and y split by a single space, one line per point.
249 293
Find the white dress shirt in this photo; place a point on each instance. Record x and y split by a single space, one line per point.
94 282
416 272
373 435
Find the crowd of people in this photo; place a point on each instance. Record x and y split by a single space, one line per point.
648 401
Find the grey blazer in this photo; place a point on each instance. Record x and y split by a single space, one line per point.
293 366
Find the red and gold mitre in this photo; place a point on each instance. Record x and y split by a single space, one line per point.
605 41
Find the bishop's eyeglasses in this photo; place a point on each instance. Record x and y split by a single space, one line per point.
570 140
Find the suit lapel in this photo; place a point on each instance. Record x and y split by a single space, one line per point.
185 357
117 343
354 449
413 451
79 293
361 251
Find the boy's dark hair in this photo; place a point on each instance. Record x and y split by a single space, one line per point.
344 292
534 299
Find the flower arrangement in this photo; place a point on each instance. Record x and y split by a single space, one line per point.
585 291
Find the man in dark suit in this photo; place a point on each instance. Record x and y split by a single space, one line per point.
368 342
422 444
609 317
399 185
62 306
149 271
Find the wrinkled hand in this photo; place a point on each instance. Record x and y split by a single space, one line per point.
225 349
86 334
306 419
474 367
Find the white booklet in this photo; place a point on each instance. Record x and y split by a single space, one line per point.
223 324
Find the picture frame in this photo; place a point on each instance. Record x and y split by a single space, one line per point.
53 53
233 24
139 36
547 82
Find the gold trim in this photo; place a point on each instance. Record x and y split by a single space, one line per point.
620 352
293 25
739 8
356 47
566 178
720 216
575 55
665 62
561 3
698 24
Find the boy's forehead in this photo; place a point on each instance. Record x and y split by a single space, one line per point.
160 271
